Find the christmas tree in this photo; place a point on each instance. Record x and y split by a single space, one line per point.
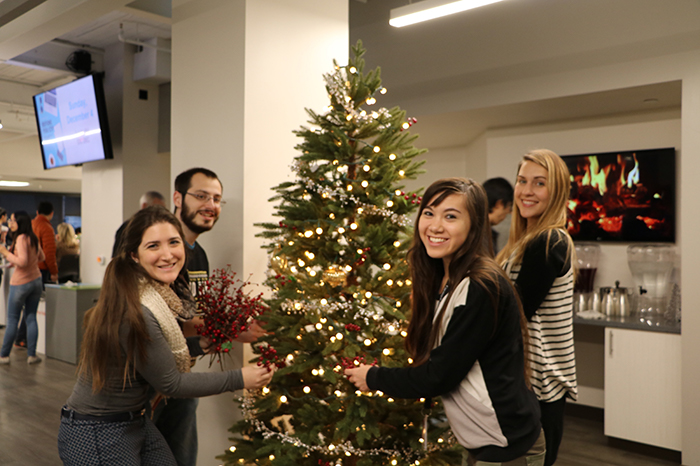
340 293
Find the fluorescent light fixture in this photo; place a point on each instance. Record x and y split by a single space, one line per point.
13 184
431 9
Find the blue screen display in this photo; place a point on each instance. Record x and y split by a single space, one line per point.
69 123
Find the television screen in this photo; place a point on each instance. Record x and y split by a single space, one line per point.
72 121
623 196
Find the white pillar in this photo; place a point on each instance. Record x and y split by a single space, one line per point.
242 73
111 189
689 226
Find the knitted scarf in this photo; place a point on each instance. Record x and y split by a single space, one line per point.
165 306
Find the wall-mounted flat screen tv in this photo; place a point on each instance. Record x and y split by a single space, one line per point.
625 196
72 122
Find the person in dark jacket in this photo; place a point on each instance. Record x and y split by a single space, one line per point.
466 334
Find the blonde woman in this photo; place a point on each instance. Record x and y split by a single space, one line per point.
66 241
538 258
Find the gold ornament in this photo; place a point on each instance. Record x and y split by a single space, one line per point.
278 261
335 276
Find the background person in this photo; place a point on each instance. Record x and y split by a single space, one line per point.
133 345
500 195
66 241
48 266
467 346
25 285
148 198
538 258
67 253
47 241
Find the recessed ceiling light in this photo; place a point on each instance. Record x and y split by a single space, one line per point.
13 184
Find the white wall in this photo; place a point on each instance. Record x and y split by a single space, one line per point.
242 73
506 148
440 163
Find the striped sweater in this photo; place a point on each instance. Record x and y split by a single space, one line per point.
545 281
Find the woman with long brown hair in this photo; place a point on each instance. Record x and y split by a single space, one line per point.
132 347
25 285
538 257
465 333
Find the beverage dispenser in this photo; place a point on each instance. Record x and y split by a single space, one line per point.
651 266
585 298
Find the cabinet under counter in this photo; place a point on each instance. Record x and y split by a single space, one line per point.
631 369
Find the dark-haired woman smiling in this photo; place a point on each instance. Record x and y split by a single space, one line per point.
465 333
133 347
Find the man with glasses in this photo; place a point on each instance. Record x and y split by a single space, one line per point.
197 201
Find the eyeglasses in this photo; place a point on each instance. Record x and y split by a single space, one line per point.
201 197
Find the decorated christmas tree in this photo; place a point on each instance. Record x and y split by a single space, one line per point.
340 293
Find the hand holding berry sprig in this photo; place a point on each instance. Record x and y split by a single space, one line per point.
227 311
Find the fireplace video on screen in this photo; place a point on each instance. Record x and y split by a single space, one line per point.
623 196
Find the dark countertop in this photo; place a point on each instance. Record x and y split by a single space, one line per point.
634 322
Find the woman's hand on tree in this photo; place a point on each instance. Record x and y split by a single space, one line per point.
256 376
358 376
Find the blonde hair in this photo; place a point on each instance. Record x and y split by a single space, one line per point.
66 234
554 216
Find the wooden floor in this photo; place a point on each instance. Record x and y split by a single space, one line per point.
31 398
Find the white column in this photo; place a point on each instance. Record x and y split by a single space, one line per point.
242 73
689 226
111 189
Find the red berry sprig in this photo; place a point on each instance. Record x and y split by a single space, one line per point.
226 309
349 363
352 327
411 121
269 357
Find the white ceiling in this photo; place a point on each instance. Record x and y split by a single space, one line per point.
495 43
520 39
43 67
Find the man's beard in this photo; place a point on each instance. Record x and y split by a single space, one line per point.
188 217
